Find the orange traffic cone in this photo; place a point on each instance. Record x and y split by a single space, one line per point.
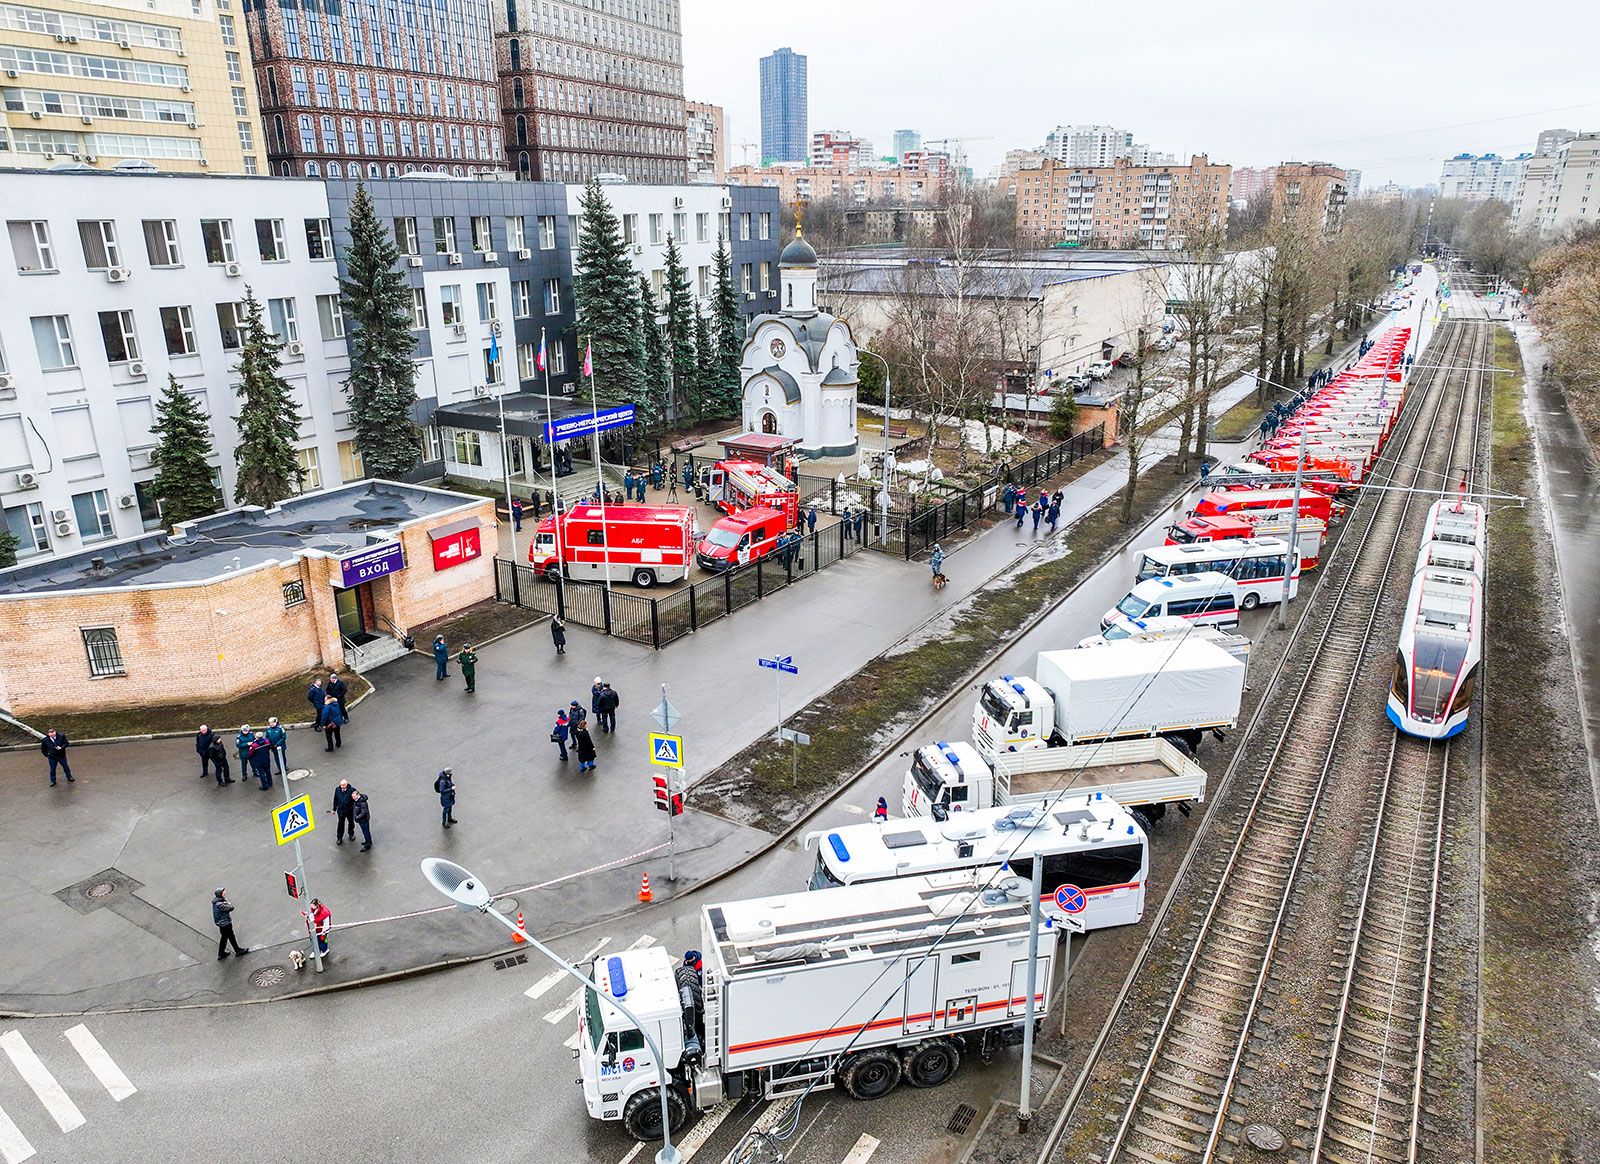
518 936
644 889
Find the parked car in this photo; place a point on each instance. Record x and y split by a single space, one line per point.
1099 370
1165 344
1078 381
1125 360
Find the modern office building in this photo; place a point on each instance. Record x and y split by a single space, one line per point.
376 90
784 118
706 138
1120 205
160 81
593 87
906 140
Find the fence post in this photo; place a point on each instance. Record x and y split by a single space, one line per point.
761 579
561 595
907 532
727 591
605 608
833 497
694 614
497 579
516 586
655 626
816 555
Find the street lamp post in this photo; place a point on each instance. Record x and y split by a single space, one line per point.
883 496
461 887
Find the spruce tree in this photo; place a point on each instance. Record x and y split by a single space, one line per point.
9 545
183 473
655 383
269 422
705 367
728 331
680 337
607 305
377 312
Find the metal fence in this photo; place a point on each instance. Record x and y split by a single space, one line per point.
657 620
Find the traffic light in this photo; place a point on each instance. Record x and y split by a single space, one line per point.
668 799
292 885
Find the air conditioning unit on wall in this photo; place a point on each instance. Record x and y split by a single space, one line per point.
127 501
63 528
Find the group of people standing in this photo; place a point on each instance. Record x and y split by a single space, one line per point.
466 657
572 723
1046 509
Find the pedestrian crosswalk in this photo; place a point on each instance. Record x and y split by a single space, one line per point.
15 1146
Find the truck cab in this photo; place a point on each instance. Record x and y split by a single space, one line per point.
618 1072
1013 714
945 778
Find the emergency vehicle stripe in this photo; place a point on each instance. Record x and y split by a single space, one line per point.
740 1048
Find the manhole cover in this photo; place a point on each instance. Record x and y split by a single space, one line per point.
299 774
507 906
268 976
1264 1136
961 1118
104 889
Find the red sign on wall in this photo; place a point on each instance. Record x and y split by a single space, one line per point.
456 543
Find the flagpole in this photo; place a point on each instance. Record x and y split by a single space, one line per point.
550 445
599 476
505 464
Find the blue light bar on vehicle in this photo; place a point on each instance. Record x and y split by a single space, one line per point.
619 980
839 849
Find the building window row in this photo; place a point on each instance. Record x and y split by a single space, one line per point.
44 101
35 253
24 60
132 33
360 138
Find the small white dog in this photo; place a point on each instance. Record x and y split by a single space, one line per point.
298 958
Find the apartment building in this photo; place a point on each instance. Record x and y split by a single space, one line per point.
705 133
839 148
593 87
1477 178
1560 192
806 183
1251 183
906 140
160 81
1121 205
784 102
118 281
1314 188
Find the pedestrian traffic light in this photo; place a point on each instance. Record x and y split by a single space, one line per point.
293 885
668 800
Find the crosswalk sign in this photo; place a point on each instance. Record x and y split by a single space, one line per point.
665 750
293 819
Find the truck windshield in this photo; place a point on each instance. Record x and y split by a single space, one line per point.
726 538
1133 607
545 541
1150 568
1180 536
1115 631
821 877
994 706
927 779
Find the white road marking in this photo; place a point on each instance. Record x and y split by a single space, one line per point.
555 976
100 1062
863 1150
571 1041
695 1138
55 1100
575 999
14 1146
775 1114
855 808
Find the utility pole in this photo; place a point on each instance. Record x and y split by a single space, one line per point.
1294 528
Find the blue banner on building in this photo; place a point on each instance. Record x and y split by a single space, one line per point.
372 562
571 427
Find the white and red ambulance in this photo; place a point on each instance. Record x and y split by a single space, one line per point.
733 486
642 544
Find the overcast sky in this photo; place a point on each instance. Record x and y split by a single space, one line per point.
1388 88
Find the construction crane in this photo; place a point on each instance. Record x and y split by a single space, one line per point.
746 146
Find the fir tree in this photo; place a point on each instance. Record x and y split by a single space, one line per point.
183 474
269 422
9 544
655 384
377 312
728 331
705 367
680 338
607 306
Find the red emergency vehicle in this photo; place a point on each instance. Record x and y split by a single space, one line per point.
642 544
1244 501
1271 523
733 486
741 538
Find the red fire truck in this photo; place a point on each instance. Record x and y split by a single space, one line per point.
642 544
736 485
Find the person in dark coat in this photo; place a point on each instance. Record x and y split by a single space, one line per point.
445 786
219 760
330 721
54 747
361 810
468 658
881 812
340 690
516 515
558 635
585 746
202 747
607 710
279 739
595 690
558 734
343 809
441 658
241 746
861 524
314 696
1009 497
575 713
261 759
627 483
222 918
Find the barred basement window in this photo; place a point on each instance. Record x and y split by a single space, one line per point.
294 593
105 653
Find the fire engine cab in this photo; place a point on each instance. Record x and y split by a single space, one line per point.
737 485
642 544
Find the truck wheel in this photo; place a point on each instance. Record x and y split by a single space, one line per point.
870 1075
642 1115
644 579
1250 601
932 1064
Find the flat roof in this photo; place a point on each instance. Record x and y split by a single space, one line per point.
334 521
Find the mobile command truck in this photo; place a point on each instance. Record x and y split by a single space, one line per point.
1122 690
857 988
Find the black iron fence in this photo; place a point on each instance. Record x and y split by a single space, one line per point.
659 619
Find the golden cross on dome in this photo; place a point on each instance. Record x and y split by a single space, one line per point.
799 210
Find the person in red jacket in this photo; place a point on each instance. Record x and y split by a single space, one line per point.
320 922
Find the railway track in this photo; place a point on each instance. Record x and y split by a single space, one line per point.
1175 1107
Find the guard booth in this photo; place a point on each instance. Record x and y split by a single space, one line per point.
776 452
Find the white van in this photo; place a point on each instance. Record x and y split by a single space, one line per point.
1204 599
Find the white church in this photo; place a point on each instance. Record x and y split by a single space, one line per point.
799 365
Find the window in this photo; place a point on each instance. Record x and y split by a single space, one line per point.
462 447
351 467
432 446
105 653
547 232
93 511
1088 869
217 234
558 358
230 324
527 361
99 240
766 280
745 277
294 593
405 236
655 286
492 367
450 304
52 336
766 224
319 238
229 37
744 227
680 227
330 317
967 958
486 303
630 229
27 523
481 240
161 242
552 296
270 240
30 243
177 325
516 233
310 470
702 228
704 282
419 308
444 236
522 298
655 228
116 331
284 323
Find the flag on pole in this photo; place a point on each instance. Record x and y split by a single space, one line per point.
588 359
494 348
541 351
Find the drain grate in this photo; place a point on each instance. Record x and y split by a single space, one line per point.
961 1119
1264 1136
513 960
268 976
104 889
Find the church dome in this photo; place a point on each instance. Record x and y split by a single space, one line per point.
798 253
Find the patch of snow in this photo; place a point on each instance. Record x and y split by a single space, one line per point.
999 439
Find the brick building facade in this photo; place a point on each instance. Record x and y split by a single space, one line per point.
1120 205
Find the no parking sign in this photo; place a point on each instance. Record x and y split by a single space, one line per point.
1070 899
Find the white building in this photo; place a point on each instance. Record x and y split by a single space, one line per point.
1531 201
114 281
1099 145
1573 198
1479 178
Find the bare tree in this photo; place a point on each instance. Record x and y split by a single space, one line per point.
1143 406
1202 285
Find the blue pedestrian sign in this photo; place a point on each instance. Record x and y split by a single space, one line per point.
784 663
293 819
666 750
588 424
1070 898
